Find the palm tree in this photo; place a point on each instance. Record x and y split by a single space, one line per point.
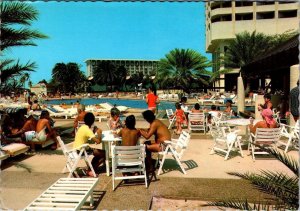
182 67
24 78
283 187
16 18
105 73
14 13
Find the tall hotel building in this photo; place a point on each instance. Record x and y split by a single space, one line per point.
147 67
225 19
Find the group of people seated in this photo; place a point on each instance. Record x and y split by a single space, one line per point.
182 112
126 130
31 127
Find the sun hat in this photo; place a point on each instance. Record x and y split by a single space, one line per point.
268 115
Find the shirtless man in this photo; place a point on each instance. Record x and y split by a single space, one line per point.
44 131
160 132
130 135
81 113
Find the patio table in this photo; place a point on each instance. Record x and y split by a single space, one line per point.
107 139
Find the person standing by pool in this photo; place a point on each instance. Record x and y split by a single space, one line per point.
161 134
152 100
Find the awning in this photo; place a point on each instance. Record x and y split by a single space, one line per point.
281 57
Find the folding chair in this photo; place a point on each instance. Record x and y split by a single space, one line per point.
73 158
225 141
265 137
176 148
171 117
128 159
290 132
197 122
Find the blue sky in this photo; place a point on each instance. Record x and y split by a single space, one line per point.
82 30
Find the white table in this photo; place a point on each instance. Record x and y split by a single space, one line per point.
107 139
242 122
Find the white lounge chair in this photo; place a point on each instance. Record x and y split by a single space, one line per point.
175 148
109 106
66 194
211 99
128 159
73 158
54 113
265 137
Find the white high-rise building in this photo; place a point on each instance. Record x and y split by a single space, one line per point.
225 19
133 66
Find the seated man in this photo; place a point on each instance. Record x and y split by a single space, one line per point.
130 135
160 132
35 106
81 113
44 131
30 125
85 133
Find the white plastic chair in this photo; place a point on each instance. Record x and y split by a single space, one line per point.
265 137
171 117
290 132
73 158
197 121
128 159
176 148
212 99
225 141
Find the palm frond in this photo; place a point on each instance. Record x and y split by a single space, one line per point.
17 13
240 204
11 70
286 159
283 187
19 37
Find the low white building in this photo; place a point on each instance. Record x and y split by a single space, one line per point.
39 88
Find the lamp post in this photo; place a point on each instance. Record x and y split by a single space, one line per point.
240 94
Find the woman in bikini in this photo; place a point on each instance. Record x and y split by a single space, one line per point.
44 131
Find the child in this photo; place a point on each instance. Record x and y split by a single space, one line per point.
130 135
114 121
180 118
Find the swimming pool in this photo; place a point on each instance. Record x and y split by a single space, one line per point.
140 104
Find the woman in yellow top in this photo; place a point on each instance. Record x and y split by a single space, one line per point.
85 133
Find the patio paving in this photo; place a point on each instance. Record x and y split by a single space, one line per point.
206 180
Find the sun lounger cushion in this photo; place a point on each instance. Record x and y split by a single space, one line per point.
15 149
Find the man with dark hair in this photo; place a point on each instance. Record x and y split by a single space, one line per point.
294 102
160 132
130 135
84 134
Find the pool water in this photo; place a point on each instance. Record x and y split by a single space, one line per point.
140 104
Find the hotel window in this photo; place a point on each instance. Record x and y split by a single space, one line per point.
287 14
215 5
265 2
244 16
265 15
226 4
287 2
243 3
